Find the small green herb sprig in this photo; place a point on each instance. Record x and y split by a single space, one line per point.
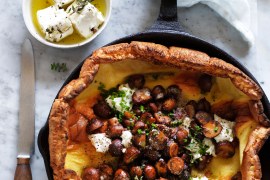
59 67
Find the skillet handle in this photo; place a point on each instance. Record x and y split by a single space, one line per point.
167 19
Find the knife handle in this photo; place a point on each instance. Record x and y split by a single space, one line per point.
23 170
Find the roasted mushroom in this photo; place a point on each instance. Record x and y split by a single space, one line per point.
136 171
203 105
161 167
115 131
120 174
106 172
128 123
136 81
176 165
168 131
205 83
169 104
128 115
138 125
203 117
162 119
104 127
93 125
225 149
141 96
131 154
113 121
158 92
172 149
102 109
193 103
182 136
149 172
137 110
190 108
116 147
211 129
91 174
173 91
152 154
139 140
153 107
147 118
157 140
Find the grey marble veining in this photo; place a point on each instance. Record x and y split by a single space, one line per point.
128 17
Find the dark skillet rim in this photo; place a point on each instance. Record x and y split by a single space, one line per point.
75 73
167 25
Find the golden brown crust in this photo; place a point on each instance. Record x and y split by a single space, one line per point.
58 136
251 167
75 87
113 53
181 58
257 111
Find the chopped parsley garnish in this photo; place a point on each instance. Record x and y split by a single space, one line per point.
203 149
140 131
176 123
59 67
142 108
216 129
197 149
198 128
154 126
171 115
119 115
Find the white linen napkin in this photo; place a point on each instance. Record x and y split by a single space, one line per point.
236 12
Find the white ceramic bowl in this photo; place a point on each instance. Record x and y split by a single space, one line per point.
28 19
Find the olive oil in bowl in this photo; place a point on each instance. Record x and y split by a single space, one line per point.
74 38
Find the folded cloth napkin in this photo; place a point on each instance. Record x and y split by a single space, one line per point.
236 12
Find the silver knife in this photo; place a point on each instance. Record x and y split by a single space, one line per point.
26 136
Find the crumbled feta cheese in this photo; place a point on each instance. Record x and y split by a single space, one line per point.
100 142
198 149
62 3
54 23
226 133
85 18
186 123
126 138
123 103
194 148
199 178
210 146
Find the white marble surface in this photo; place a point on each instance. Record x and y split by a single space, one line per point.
129 16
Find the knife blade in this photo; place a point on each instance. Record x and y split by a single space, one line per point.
26 135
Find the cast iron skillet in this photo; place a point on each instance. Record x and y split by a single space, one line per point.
167 31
